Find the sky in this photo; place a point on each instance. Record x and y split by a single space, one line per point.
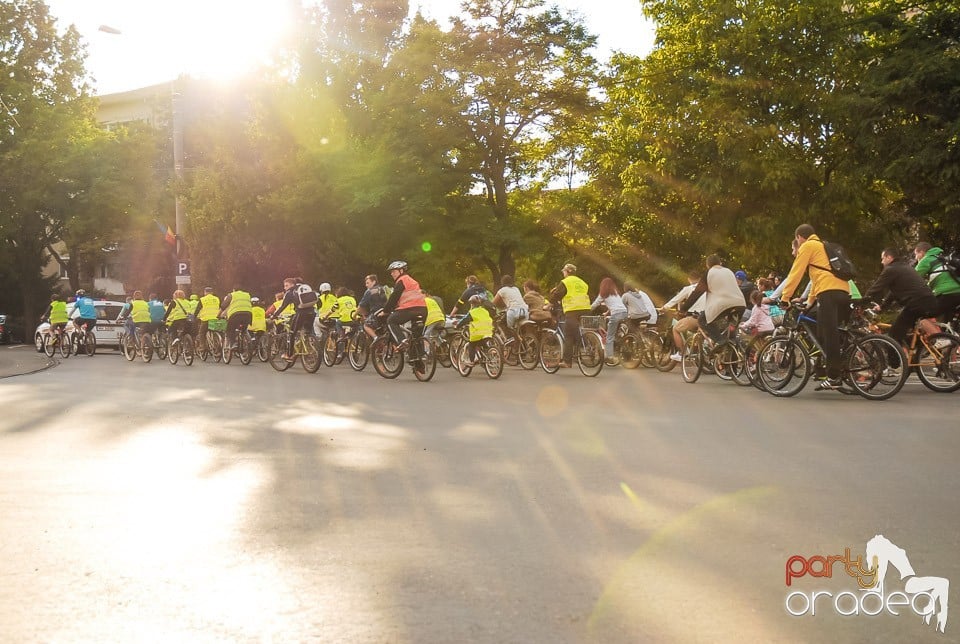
220 39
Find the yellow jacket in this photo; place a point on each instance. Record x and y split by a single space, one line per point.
812 257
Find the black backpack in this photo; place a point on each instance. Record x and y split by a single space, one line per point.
950 261
841 265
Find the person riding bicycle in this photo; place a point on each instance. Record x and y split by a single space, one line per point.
304 300
908 288
433 325
178 314
157 312
942 283
239 311
610 299
510 299
481 326
639 305
473 287
138 315
831 294
56 314
370 304
572 295
208 308
406 304
327 305
722 295
87 312
689 323
258 325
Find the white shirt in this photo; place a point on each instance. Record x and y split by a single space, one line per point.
512 298
683 294
614 303
639 303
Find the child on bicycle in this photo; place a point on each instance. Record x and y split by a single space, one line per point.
760 320
481 326
56 314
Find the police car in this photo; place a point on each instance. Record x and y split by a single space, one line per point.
107 331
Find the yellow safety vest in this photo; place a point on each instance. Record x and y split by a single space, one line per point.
180 309
259 319
139 311
239 303
576 298
327 303
58 312
481 324
285 312
347 304
434 313
209 307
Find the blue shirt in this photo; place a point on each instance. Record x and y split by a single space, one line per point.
157 310
85 306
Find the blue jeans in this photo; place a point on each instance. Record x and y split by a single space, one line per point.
612 323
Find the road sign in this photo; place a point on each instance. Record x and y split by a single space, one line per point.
183 268
182 279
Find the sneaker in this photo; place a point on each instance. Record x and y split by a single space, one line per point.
288 357
676 357
830 383
469 363
566 365
612 362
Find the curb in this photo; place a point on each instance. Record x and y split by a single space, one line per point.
50 362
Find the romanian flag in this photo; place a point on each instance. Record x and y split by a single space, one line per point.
168 235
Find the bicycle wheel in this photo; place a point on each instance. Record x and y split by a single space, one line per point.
358 351
650 346
528 350
387 360
246 349
493 360
455 344
876 367
737 364
227 351
551 351
89 344
463 360
631 351
263 347
665 363
161 343
429 357
146 347
278 347
129 346
751 354
783 367
310 359
65 345
215 345
187 349
173 351
50 344
510 348
590 353
329 344
938 366
442 347
691 363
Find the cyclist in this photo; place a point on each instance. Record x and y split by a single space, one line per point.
406 304
722 295
87 317
258 325
473 287
346 310
510 298
639 305
56 315
481 325
689 323
157 312
435 321
238 307
905 286
304 299
208 307
372 301
831 294
138 315
177 315
284 312
944 286
327 304
572 295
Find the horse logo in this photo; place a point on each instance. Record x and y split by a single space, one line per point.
882 553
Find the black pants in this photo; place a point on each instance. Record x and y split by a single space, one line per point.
237 321
415 314
925 308
302 319
571 332
833 309
948 304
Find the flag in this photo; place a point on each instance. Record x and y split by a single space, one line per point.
168 235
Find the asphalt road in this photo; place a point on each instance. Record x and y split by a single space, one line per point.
152 503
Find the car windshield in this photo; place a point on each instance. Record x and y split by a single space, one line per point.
108 312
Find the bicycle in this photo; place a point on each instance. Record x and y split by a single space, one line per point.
387 351
161 340
587 350
244 347
519 345
726 356
57 339
934 356
211 346
137 344
627 349
84 340
305 348
181 345
489 353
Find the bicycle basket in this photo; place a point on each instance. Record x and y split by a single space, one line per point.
217 325
591 321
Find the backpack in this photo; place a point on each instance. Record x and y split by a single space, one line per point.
950 262
305 295
841 265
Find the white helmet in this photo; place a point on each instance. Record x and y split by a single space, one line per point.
325 287
398 265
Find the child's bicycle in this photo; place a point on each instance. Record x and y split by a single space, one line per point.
489 354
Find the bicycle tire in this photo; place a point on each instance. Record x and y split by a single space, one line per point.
590 353
464 368
551 351
146 348
511 350
49 345
631 351
493 360
939 366
227 352
783 367
738 365
443 351
246 348
65 346
129 346
310 359
215 345
528 351
89 344
650 348
161 345
691 359
387 360
875 366
263 347
358 351
429 358
173 351
279 347
187 349
329 344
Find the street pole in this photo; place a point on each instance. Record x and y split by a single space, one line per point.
177 159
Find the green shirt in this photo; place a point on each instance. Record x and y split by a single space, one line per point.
940 280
